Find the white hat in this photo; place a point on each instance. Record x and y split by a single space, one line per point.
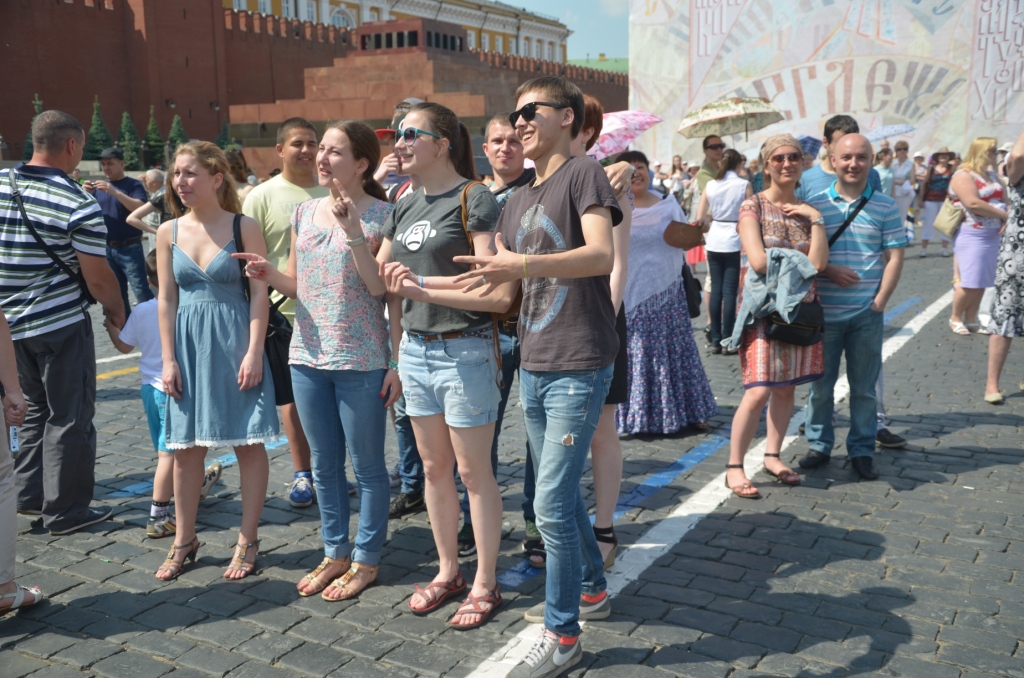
655 163
918 154
1005 148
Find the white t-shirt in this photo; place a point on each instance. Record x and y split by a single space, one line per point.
143 331
725 196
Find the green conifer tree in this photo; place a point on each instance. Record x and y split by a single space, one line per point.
128 140
99 136
177 135
37 104
154 140
223 139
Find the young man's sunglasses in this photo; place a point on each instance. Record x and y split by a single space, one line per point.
529 111
410 134
715 147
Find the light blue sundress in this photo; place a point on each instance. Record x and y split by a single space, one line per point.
211 337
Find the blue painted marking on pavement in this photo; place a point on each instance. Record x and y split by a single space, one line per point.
523 571
900 308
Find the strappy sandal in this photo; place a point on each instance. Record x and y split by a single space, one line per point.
348 583
175 566
436 593
738 490
958 328
606 535
484 606
240 564
787 477
536 553
314 578
19 598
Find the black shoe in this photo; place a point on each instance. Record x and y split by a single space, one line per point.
865 467
886 438
406 502
803 428
90 517
467 541
715 350
814 459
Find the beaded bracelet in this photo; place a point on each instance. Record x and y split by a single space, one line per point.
392 364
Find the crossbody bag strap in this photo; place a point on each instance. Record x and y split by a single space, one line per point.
849 220
61 264
236 228
464 203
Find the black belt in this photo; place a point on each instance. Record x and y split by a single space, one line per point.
463 334
124 243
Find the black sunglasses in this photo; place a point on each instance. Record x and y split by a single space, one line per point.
529 111
714 147
780 159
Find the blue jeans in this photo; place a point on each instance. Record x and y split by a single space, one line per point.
860 337
509 368
338 407
561 411
725 280
410 465
129 266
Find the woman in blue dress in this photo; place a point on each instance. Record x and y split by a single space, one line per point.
214 369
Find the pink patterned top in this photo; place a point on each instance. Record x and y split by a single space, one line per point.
339 325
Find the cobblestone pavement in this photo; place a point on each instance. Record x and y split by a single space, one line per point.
917 574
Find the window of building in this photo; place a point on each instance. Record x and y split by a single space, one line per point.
288 9
341 19
240 4
526 47
311 10
551 51
471 39
374 14
538 48
499 45
265 8
485 42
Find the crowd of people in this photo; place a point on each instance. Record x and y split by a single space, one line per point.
400 284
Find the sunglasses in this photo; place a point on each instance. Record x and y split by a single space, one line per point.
715 147
529 111
780 159
410 134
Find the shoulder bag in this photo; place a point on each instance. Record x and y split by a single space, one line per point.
279 333
807 327
64 268
949 218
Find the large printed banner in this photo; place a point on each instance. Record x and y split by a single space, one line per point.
953 69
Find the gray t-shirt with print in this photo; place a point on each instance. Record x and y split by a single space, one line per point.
426 233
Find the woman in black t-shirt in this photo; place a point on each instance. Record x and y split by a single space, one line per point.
447 360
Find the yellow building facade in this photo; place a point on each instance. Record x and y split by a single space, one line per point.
490 26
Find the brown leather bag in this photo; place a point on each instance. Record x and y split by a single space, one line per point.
517 303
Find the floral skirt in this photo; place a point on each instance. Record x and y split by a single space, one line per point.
668 389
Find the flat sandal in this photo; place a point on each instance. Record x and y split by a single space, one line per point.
346 585
788 477
314 578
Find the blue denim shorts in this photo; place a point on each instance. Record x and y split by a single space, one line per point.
454 377
154 402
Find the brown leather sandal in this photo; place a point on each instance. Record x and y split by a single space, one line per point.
348 584
239 562
176 566
436 593
320 583
787 477
739 490
485 606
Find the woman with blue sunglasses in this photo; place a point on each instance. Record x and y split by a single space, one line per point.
447 358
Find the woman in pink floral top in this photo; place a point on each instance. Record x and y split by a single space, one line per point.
343 376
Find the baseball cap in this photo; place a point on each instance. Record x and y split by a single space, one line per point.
918 154
112 153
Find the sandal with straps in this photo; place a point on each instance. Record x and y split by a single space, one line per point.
348 583
319 584
606 535
787 477
18 598
436 593
738 490
175 566
240 564
485 606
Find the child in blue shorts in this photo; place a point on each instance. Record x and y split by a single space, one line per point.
142 330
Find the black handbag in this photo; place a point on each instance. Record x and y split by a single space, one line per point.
279 334
693 290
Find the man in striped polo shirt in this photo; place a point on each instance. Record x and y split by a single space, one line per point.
50 325
864 268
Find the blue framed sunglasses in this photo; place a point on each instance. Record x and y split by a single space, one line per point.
410 134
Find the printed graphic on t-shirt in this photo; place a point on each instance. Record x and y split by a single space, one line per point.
416 235
546 296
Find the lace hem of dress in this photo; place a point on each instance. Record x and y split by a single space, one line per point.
223 443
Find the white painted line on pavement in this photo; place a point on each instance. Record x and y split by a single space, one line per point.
634 560
117 357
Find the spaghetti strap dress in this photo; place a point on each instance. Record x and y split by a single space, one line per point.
211 336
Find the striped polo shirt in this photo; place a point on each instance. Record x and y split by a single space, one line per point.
36 296
877 227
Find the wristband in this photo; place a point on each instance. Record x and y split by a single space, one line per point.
524 265
360 240
820 221
392 364
421 281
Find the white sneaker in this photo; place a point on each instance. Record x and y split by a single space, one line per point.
923 253
946 253
549 657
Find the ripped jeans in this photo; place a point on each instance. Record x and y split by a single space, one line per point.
561 411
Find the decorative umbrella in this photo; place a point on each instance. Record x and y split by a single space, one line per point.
880 133
810 144
729 116
619 130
